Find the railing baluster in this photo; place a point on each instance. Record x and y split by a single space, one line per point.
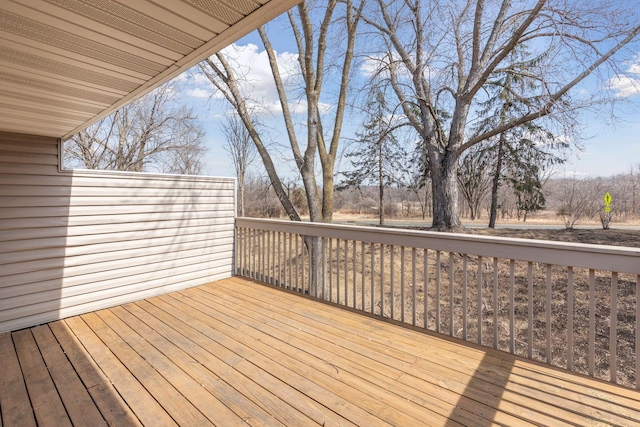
392 279
268 256
592 322
437 291
452 305
479 300
495 303
354 273
570 311
425 260
382 261
330 270
338 271
512 313
362 285
372 295
413 285
402 299
280 255
530 309
290 281
346 273
295 268
303 265
548 320
613 329
465 278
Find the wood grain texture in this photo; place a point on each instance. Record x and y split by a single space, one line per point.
237 352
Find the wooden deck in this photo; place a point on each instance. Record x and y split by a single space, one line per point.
236 353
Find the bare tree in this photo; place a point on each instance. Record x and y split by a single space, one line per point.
322 141
154 133
241 150
439 57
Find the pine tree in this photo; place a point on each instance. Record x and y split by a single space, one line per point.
376 156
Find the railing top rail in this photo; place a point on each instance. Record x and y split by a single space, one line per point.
597 257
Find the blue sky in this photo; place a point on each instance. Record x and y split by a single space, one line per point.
607 148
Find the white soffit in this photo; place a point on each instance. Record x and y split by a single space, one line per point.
65 64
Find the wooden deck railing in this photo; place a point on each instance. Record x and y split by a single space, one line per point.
570 305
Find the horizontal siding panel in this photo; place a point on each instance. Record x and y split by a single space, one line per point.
129 239
28 158
133 248
22 169
107 261
12 138
113 211
162 272
55 313
76 241
46 202
50 279
156 229
50 149
194 218
137 192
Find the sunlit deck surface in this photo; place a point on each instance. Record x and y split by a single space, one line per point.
235 353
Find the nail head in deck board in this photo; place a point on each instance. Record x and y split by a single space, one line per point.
44 397
107 399
14 399
167 396
79 405
143 405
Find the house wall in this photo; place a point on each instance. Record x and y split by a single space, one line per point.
78 241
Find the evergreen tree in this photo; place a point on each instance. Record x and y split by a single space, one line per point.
376 157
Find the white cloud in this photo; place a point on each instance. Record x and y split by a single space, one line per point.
627 85
253 72
199 93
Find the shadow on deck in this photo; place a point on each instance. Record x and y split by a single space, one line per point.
235 353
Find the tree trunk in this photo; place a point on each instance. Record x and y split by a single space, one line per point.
380 183
496 183
445 192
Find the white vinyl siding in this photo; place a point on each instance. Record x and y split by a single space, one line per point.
77 241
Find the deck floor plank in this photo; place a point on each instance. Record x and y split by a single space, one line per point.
166 393
76 399
15 406
282 398
141 402
523 392
236 352
379 368
199 386
325 353
109 402
368 393
299 377
237 391
45 400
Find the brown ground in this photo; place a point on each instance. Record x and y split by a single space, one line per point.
630 238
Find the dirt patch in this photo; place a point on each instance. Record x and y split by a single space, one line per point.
629 238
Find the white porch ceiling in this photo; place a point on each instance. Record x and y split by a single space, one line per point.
64 64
